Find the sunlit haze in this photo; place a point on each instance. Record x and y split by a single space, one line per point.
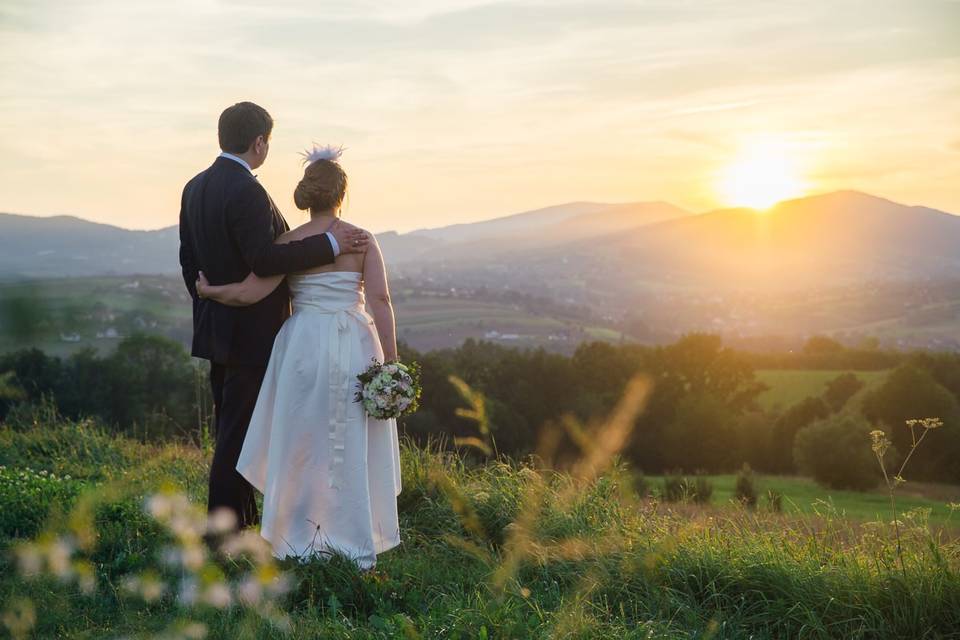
463 110
761 175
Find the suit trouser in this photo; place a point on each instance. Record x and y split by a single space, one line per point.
235 390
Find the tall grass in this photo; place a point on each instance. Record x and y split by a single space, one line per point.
503 549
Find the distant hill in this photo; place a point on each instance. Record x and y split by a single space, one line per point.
67 246
524 232
524 221
839 237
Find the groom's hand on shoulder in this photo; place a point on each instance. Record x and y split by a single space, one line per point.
350 239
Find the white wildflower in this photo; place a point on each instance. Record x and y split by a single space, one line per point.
159 506
29 559
250 591
218 595
58 558
193 556
221 520
195 631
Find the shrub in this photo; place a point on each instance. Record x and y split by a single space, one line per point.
641 485
836 453
774 501
798 416
679 488
745 490
702 490
674 487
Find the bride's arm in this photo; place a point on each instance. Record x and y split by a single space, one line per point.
249 291
378 297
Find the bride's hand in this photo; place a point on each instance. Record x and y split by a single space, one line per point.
202 285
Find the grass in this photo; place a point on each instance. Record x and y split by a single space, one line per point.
803 496
496 550
789 386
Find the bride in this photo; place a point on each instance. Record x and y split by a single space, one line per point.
329 473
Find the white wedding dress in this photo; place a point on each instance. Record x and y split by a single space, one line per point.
329 474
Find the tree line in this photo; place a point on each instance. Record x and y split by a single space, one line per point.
702 414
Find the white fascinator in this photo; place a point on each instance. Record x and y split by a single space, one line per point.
326 152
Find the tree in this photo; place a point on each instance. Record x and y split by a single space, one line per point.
911 392
841 389
36 371
699 363
701 435
822 345
836 453
151 383
787 426
754 441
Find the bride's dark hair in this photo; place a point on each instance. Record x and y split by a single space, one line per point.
323 186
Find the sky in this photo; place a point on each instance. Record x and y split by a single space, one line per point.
460 110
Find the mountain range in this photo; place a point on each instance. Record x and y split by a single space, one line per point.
840 237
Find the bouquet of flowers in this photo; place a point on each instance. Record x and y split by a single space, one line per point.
389 390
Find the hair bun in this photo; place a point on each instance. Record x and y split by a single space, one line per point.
302 196
324 182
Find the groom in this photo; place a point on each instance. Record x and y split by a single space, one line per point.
228 224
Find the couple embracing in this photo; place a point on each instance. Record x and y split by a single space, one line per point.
282 317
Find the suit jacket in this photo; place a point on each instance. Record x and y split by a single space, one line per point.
228 224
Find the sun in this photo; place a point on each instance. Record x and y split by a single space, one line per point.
760 176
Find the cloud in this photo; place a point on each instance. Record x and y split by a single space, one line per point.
638 100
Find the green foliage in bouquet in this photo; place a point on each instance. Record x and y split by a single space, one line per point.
390 389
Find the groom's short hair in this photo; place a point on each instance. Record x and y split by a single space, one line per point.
240 125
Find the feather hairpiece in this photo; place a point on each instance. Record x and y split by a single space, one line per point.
327 152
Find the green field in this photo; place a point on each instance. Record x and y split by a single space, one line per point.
96 311
496 550
50 313
428 322
803 496
789 386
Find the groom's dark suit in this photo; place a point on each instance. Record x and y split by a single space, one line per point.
228 224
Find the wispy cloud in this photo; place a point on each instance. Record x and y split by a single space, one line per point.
464 109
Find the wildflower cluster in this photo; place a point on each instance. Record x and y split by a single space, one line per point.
186 572
26 496
202 581
389 390
54 555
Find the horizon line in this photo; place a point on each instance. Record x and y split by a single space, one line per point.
518 213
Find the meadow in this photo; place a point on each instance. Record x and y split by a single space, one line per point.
804 497
495 549
789 386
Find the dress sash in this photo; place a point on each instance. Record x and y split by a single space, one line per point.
338 376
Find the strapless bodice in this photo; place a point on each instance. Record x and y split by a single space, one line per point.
327 291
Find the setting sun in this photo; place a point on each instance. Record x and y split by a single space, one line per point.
760 176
